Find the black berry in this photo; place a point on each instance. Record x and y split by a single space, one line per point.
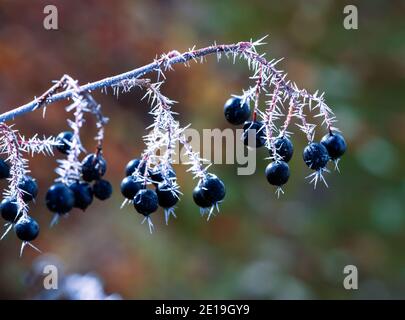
9 209
257 131
199 199
277 173
235 112
213 189
130 187
146 201
83 194
284 148
158 174
59 198
29 187
64 139
93 167
26 228
4 169
167 197
133 165
316 156
335 144
102 189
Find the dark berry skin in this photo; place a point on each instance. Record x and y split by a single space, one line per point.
284 148
59 198
102 189
199 199
9 210
157 174
83 194
62 138
315 156
213 189
255 128
235 112
277 173
130 187
29 187
27 229
146 202
4 169
132 165
93 167
166 198
335 144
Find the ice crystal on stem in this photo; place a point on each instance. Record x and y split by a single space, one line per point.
69 169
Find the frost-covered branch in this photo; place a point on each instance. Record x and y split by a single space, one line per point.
246 50
150 180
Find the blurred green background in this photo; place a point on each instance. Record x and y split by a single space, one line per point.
258 247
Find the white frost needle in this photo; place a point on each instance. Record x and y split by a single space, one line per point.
169 212
150 224
8 228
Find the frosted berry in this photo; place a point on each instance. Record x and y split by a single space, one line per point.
83 194
59 198
93 167
284 148
133 165
27 229
4 169
130 187
255 128
102 189
213 189
29 187
235 112
157 174
146 201
199 199
9 209
167 197
64 138
335 144
316 156
277 173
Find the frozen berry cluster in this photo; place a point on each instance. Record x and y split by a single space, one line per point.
26 228
209 192
61 198
164 191
316 155
150 181
149 188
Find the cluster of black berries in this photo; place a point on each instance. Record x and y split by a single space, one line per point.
278 171
26 228
237 112
316 155
332 147
254 135
146 201
61 198
209 192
